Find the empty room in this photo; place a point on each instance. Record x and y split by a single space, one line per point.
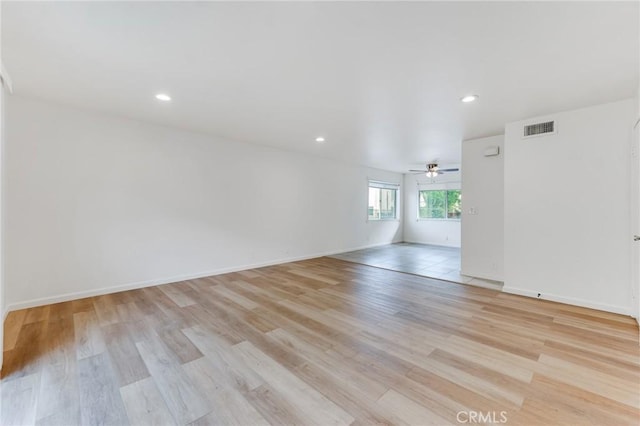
319 213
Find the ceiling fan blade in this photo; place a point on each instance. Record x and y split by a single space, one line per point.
419 171
448 170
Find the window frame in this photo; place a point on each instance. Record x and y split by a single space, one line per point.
384 185
446 205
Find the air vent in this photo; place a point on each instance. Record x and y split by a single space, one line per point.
539 129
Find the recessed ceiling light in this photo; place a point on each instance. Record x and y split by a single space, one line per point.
320 139
469 98
163 97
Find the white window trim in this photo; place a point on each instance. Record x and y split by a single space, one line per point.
435 219
372 183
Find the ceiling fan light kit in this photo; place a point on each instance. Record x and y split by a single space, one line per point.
433 170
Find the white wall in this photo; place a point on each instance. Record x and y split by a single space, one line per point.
482 253
438 232
97 203
567 208
3 301
634 197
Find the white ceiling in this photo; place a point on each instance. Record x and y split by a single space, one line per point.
381 81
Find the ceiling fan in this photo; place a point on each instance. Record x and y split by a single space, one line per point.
433 170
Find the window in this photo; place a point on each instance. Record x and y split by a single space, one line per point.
383 199
440 204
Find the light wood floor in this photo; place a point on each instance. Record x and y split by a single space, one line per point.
318 342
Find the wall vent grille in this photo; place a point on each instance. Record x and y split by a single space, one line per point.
539 129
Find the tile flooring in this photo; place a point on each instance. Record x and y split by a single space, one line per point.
419 259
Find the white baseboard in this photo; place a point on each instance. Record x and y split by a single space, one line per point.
569 301
167 280
432 243
482 276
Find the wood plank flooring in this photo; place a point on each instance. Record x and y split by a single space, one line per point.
318 342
